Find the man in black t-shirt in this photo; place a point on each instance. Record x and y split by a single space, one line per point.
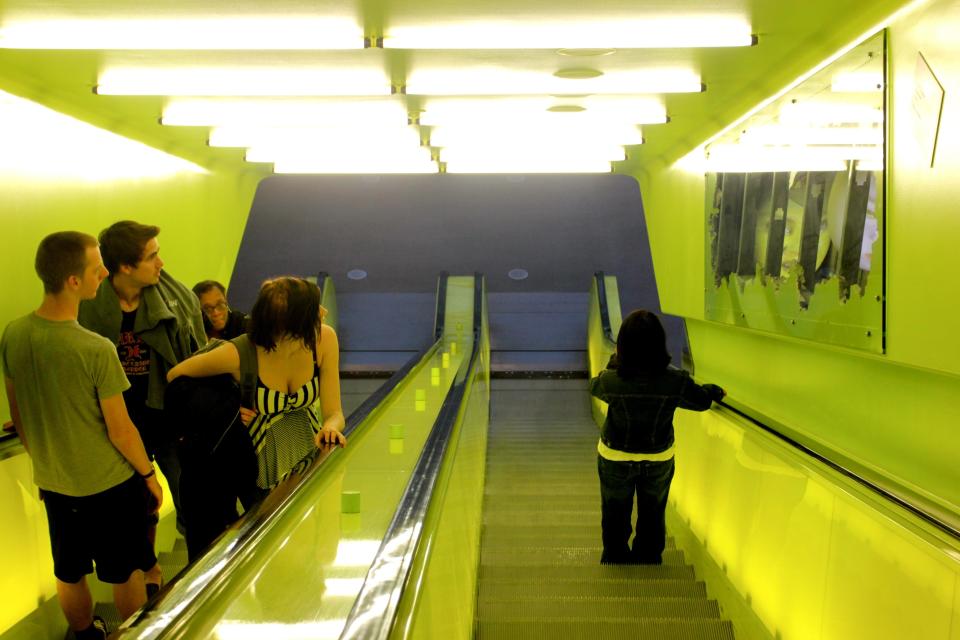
155 322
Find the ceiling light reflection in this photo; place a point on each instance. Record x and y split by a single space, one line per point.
42 143
243 630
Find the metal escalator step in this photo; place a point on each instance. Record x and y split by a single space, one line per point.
538 518
661 629
587 572
582 536
172 563
520 586
537 557
108 611
589 607
584 503
534 489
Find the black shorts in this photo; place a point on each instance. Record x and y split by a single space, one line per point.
108 528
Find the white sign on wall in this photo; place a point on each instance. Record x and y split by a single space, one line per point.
927 103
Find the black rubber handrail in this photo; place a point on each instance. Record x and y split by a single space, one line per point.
916 510
374 612
440 315
321 278
600 279
169 615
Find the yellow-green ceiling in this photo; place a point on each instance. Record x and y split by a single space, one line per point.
793 36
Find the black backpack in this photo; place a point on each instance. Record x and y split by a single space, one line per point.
203 411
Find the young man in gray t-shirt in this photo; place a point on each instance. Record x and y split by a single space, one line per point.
65 389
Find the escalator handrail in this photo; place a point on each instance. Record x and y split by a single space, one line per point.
600 278
917 510
374 612
440 315
182 596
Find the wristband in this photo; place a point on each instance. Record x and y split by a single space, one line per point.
152 473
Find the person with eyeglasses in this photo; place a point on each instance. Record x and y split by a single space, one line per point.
219 320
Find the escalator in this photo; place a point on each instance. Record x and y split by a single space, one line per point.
295 566
540 574
497 534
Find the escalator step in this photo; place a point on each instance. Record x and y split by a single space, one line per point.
108 611
585 504
587 572
537 557
539 518
627 628
573 536
520 587
590 607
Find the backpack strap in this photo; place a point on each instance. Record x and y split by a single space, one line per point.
248 369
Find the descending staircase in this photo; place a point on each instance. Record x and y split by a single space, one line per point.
540 574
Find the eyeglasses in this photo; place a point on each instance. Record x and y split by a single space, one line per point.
220 307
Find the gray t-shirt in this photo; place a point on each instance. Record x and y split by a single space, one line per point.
60 372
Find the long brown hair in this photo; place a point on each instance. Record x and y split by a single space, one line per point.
286 307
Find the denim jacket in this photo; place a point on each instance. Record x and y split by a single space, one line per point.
640 408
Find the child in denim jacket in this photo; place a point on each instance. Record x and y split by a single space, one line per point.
635 452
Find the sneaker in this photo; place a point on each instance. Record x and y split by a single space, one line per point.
96 631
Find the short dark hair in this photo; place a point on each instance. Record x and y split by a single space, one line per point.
61 255
286 307
641 344
122 243
205 285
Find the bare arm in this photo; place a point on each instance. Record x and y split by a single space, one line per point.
125 437
224 359
15 412
328 359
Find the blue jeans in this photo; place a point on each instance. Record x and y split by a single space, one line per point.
619 482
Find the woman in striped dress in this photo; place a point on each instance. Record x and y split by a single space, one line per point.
297 367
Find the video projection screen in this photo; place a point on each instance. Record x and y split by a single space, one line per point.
794 206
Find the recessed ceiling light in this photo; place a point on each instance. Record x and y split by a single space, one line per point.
585 53
518 274
577 74
566 108
356 274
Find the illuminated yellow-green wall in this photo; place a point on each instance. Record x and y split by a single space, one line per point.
201 214
894 413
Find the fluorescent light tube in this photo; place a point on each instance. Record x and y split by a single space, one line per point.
368 166
495 152
345 154
545 109
330 135
284 112
785 135
533 135
579 33
498 81
508 165
190 33
243 81
828 112
858 82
